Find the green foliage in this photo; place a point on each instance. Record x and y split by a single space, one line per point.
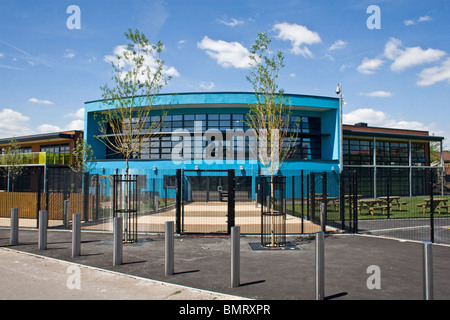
138 76
82 157
269 116
12 160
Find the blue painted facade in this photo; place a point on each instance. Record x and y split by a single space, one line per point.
325 108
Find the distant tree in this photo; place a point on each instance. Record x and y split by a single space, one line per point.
435 150
82 156
12 160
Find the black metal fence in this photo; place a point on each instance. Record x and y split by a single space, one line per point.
393 211
304 201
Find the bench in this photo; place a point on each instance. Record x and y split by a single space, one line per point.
223 195
371 209
444 206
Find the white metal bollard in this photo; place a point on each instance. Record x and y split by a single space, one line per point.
169 248
427 271
320 266
43 224
76 235
14 239
118 245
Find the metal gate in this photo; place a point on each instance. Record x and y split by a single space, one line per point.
207 201
125 204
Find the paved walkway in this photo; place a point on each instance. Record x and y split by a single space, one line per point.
27 276
204 263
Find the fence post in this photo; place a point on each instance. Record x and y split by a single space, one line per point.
117 246
66 213
323 215
235 257
169 252
427 271
178 202
43 224
342 200
302 197
76 235
431 206
231 199
86 180
14 226
355 202
313 196
320 266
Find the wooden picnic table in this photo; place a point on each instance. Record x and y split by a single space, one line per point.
372 204
394 201
438 203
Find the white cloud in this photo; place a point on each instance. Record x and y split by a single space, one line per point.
76 124
128 64
13 123
379 93
338 44
432 75
227 54
77 114
368 66
410 56
380 119
69 53
410 22
35 100
298 35
46 128
231 22
207 85
424 18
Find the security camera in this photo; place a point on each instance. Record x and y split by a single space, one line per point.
338 89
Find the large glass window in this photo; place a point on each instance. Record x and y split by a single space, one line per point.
418 157
306 144
358 152
392 153
57 148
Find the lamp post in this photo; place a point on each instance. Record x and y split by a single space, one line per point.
341 131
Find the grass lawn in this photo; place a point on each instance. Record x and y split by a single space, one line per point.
409 209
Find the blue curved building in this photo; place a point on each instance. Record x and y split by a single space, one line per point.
196 113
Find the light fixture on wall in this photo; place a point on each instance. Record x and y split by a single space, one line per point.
241 168
196 167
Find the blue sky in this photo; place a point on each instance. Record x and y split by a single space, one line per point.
397 76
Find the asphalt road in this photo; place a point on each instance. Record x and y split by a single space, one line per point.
204 263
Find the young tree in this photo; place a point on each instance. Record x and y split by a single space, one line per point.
138 76
13 162
269 117
82 156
